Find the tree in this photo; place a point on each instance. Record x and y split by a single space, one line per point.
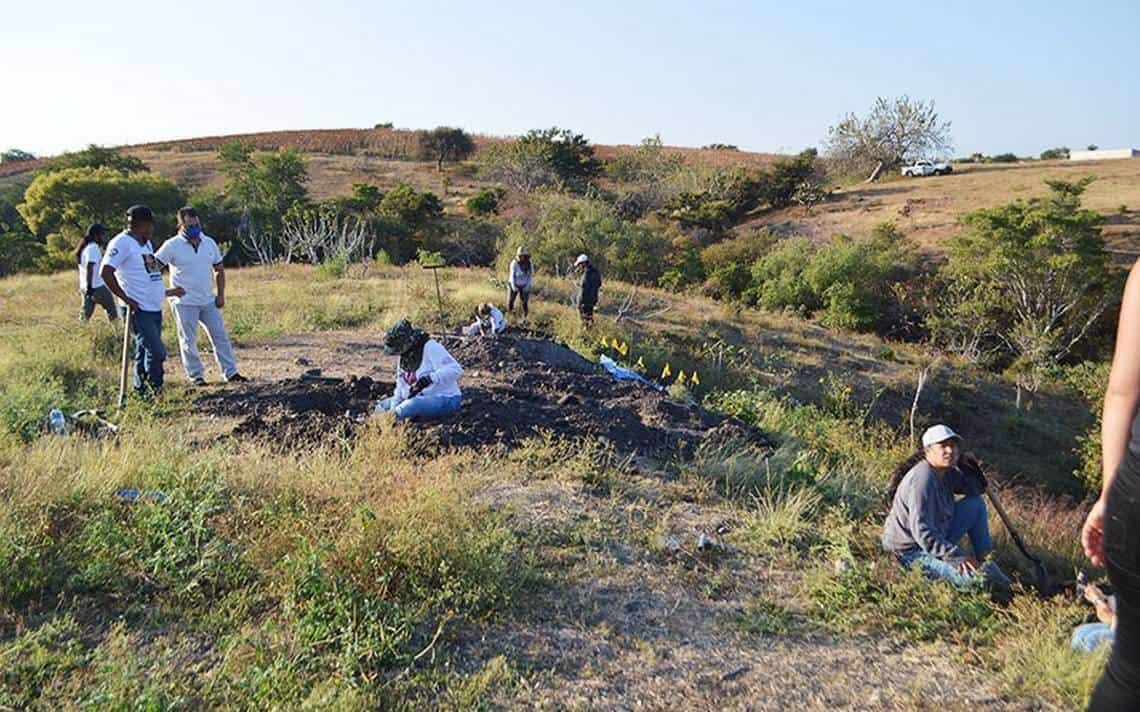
445 143
263 189
486 201
543 157
1053 154
895 132
1035 276
58 206
97 157
413 208
15 155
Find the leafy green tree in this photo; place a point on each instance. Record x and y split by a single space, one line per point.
787 176
566 226
97 157
1053 154
1034 275
58 206
647 163
412 207
569 155
724 200
445 143
262 189
19 248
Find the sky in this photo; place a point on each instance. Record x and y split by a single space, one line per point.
765 76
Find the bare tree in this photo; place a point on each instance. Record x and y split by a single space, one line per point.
258 243
896 131
323 234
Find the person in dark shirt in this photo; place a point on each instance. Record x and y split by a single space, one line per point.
588 289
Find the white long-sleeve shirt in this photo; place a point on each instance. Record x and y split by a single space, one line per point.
437 363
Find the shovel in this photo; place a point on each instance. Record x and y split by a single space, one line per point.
1042 583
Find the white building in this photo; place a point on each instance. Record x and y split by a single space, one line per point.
1103 154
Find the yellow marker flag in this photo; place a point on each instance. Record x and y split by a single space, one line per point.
602 342
694 380
640 363
623 349
615 344
681 377
666 372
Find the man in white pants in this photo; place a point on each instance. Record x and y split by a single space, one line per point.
194 260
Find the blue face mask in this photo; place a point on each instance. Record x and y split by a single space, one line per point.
194 231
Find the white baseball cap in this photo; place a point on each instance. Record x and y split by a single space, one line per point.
937 434
581 258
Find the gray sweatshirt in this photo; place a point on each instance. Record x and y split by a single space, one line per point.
921 512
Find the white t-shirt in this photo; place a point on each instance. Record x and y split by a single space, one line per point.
443 369
191 269
91 253
137 271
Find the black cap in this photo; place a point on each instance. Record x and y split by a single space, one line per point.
95 230
139 213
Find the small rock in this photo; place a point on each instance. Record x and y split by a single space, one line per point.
302 361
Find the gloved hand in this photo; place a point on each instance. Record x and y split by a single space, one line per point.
972 468
421 383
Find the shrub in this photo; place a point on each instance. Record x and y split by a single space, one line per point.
1053 154
97 157
778 277
647 163
743 249
486 201
1003 158
566 226
411 207
542 158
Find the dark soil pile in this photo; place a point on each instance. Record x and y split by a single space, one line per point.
513 388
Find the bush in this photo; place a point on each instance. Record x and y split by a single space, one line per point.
411 207
97 157
1053 154
1003 158
565 227
541 159
778 277
486 201
743 249
445 143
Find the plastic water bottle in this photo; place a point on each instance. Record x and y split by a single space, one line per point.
57 422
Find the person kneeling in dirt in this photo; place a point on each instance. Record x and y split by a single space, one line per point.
427 377
1088 637
488 321
925 523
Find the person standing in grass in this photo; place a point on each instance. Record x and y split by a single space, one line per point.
195 263
925 522
519 280
1111 533
131 272
427 377
588 289
89 254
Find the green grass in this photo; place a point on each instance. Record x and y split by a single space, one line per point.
343 577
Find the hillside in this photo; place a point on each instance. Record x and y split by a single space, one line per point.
297 555
926 210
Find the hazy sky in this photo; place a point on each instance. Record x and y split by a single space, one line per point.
1017 77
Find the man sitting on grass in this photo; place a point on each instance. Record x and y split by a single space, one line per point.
925 522
427 377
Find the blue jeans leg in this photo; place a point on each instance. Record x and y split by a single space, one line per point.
423 407
149 351
971 517
939 569
1090 636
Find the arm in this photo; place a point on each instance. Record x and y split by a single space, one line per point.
90 275
220 280
444 369
108 275
1120 400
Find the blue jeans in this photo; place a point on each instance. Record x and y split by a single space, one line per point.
1090 636
970 517
421 406
149 351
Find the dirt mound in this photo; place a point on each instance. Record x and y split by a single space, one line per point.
296 412
513 388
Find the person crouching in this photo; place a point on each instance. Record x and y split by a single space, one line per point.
488 321
427 377
925 523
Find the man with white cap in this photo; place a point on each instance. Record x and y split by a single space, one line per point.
925 523
588 289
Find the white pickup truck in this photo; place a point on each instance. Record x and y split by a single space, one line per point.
927 168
